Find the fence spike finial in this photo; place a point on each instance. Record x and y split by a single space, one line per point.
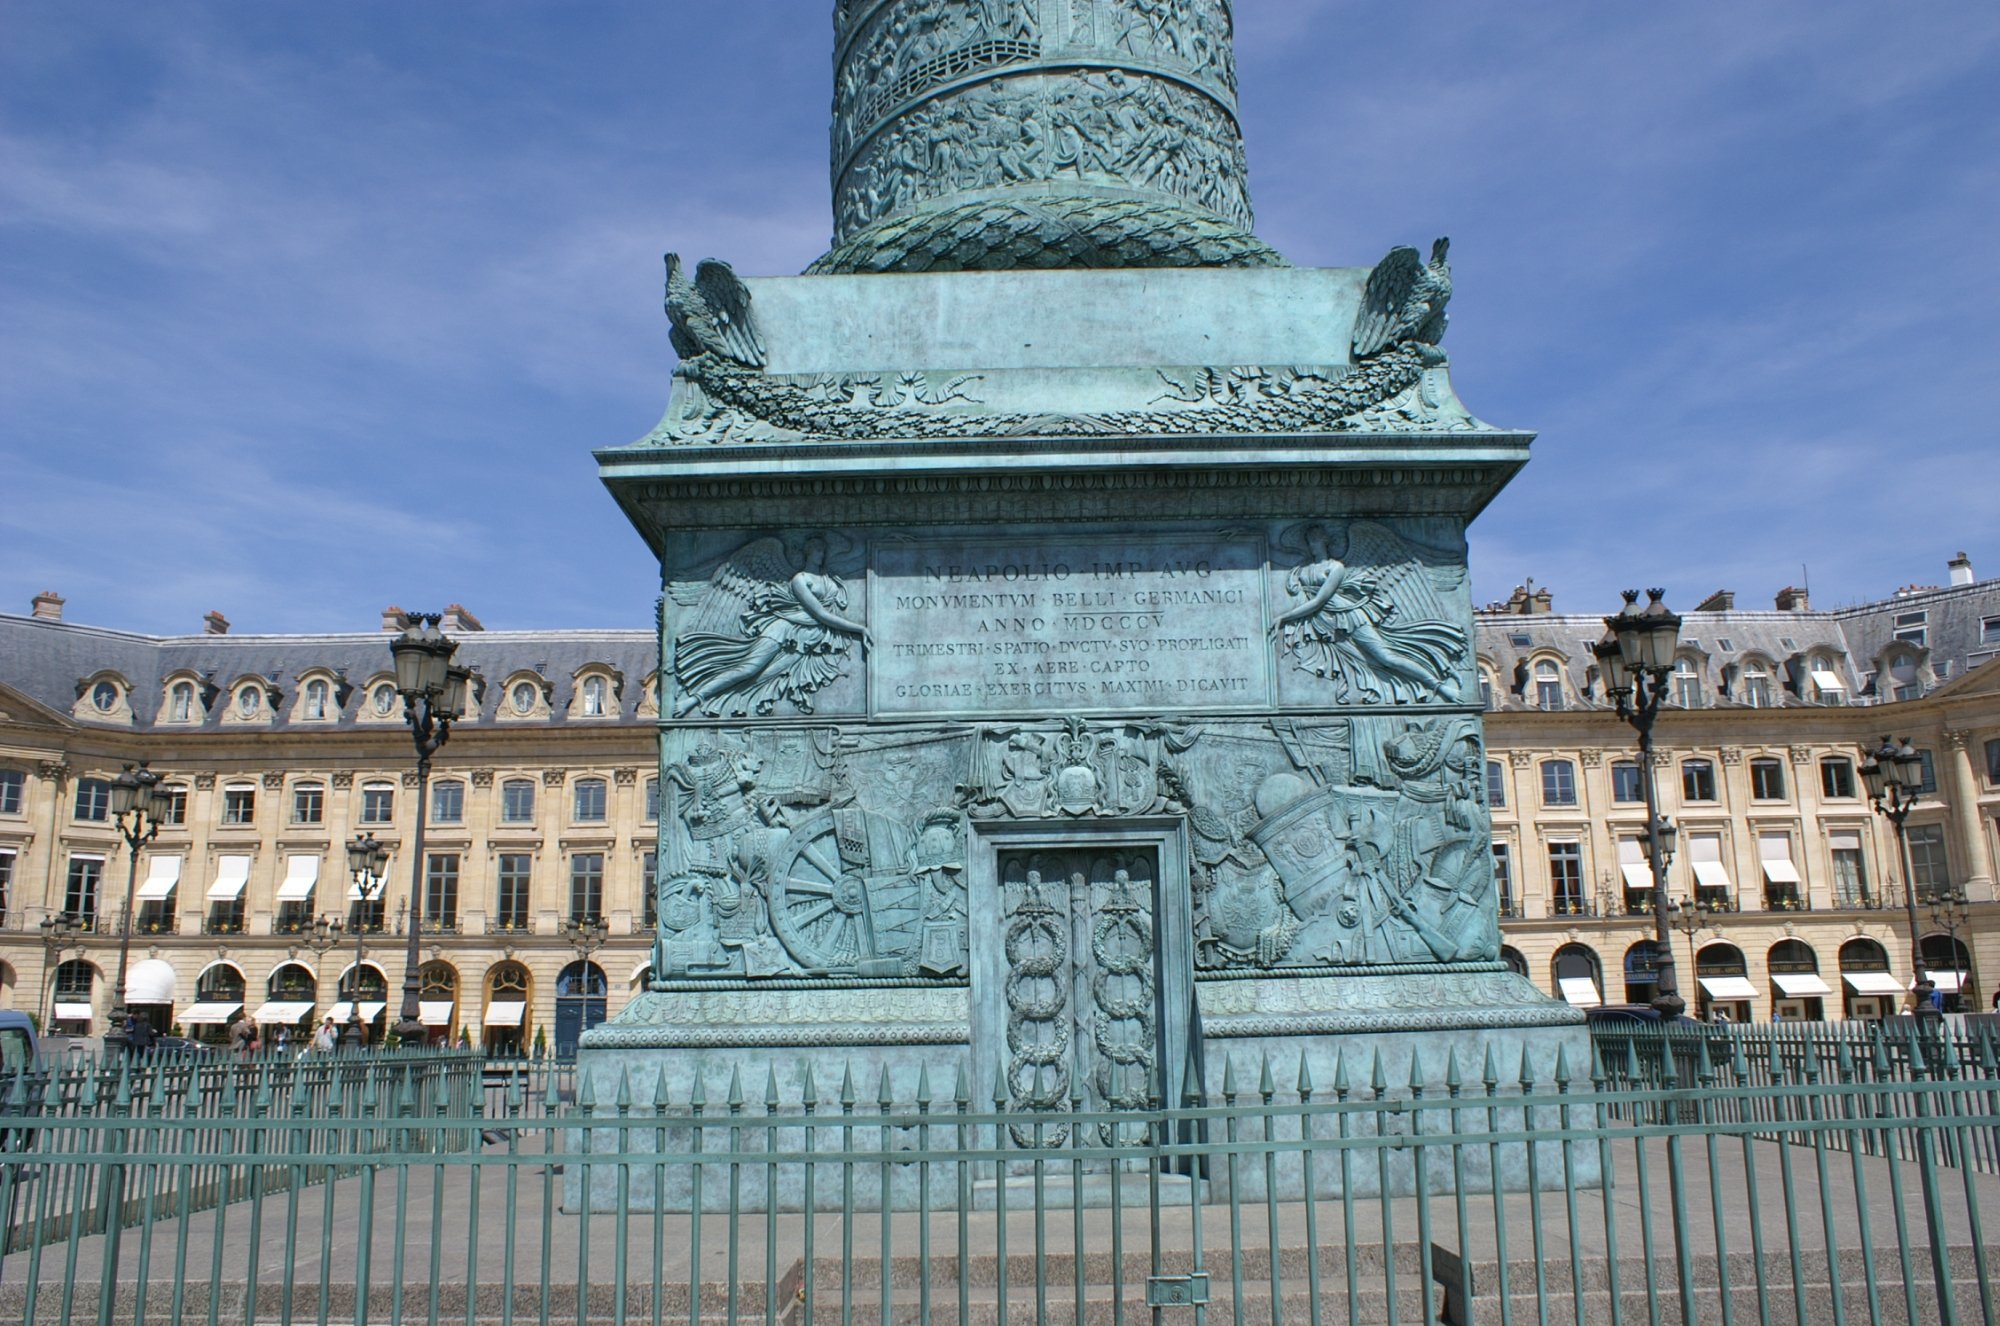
623 1100
770 1087
1305 1085
924 1086
1267 1086
1377 1078
847 1096
1341 1085
961 1086
735 1098
1418 1078
123 1095
808 1090
586 1092
1526 1076
1228 1079
1489 1075
698 1089
999 1085
1452 1081
1562 1067
660 1090
882 1094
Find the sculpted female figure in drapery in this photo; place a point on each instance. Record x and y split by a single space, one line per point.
789 636
1362 621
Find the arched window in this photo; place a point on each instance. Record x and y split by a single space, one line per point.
580 1003
517 801
1687 682
1756 683
1642 972
1579 976
75 984
593 697
590 801
180 703
315 700
1726 992
437 999
1515 962
1948 964
504 1021
1558 783
1548 684
448 802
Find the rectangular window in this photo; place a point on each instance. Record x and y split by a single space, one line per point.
1928 787
6 879
1566 879
1783 889
239 805
1836 779
80 890
448 803
1549 694
649 881
652 800
1850 870
12 785
308 803
586 886
516 872
1496 785
1558 783
441 891
1767 780
1485 691
1993 761
1625 784
378 804
517 801
1697 780
170 806
1712 886
1911 627
589 800
1503 879
93 799
1687 689
1635 872
1930 871
1989 630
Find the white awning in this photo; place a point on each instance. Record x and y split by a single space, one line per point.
210 1014
301 873
1800 984
1580 991
1827 681
343 1011
1780 872
1872 982
1948 981
231 874
435 1012
505 1013
161 877
1638 876
1711 875
151 981
1728 987
72 1012
286 1011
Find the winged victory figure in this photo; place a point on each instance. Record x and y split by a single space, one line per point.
711 313
762 631
1404 301
1369 621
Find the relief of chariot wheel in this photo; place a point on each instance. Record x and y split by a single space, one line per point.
837 913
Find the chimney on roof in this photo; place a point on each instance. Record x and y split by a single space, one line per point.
1722 600
215 624
1792 599
458 621
394 618
1961 570
1528 601
48 605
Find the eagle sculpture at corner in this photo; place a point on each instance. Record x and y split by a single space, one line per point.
1404 301
711 313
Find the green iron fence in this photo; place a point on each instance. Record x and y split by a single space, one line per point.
1648 1186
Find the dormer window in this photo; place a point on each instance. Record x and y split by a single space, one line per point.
1756 685
593 697
104 697
522 697
249 702
383 700
1548 685
1687 683
180 703
316 692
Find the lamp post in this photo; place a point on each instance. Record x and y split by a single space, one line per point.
586 934
1635 658
132 806
433 692
365 861
1894 773
1949 911
58 933
1688 917
323 934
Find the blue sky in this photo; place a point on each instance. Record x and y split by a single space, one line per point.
308 309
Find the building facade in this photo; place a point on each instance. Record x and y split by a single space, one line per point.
275 751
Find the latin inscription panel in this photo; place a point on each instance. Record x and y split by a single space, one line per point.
1033 625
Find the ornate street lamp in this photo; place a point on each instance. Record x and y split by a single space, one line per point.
433 691
1689 916
366 859
1894 775
132 806
1949 912
58 933
1636 658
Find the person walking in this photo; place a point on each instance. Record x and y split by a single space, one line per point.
326 1038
